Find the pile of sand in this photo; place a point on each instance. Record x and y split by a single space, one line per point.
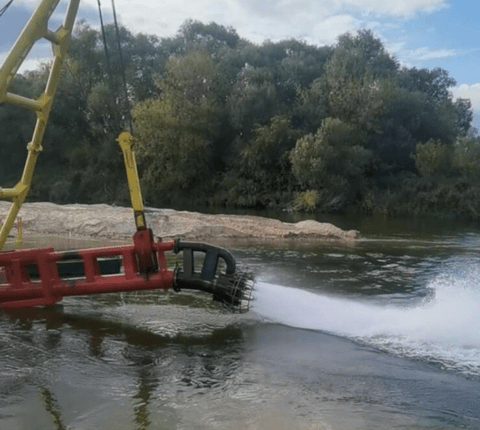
109 222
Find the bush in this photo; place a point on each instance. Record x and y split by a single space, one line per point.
429 157
466 157
305 202
317 156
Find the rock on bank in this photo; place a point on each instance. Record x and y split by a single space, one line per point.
109 222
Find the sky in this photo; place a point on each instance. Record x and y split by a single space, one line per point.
419 33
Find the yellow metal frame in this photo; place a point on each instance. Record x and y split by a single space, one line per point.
36 28
126 142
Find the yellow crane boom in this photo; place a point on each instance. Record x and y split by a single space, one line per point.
35 29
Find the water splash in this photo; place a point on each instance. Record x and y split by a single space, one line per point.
444 329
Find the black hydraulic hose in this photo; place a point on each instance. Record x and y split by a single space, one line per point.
180 245
231 287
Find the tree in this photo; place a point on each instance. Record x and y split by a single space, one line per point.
464 114
253 99
311 106
259 174
175 132
434 83
191 75
218 117
466 157
333 162
293 65
364 54
209 37
429 157
359 80
400 128
147 58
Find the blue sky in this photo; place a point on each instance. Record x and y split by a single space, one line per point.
420 33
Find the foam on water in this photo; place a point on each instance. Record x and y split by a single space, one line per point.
445 329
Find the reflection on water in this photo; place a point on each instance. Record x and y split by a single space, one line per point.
51 406
97 352
372 335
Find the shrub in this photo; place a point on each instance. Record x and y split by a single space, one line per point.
305 201
429 157
466 157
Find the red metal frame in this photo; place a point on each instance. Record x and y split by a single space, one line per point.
144 268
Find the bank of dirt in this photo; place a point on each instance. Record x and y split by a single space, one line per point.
116 223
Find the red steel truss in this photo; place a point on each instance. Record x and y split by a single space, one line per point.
33 277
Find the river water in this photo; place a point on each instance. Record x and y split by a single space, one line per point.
383 333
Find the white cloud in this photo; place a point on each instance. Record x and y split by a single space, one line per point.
422 54
285 9
471 92
261 20
399 8
412 57
315 21
327 31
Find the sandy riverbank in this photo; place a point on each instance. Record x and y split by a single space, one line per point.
116 223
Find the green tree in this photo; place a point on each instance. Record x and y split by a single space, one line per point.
253 99
466 157
294 65
429 157
364 54
400 128
215 113
433 83
259 174
333 162
175 132
464 115
359 80
311 106
90 109
209 37
417 112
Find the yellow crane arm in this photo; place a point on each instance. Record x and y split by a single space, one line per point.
125 140
35 29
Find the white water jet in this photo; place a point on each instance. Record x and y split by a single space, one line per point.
445 329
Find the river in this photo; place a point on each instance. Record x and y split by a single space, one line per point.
383 333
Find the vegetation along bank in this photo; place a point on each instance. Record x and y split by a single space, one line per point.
221 121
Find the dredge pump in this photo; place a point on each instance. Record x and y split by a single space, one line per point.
42 276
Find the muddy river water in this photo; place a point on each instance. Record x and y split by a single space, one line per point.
382 333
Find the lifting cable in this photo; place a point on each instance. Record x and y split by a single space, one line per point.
122 68
4 8
109 69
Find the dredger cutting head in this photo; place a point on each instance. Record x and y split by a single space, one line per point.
235 292
233 288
